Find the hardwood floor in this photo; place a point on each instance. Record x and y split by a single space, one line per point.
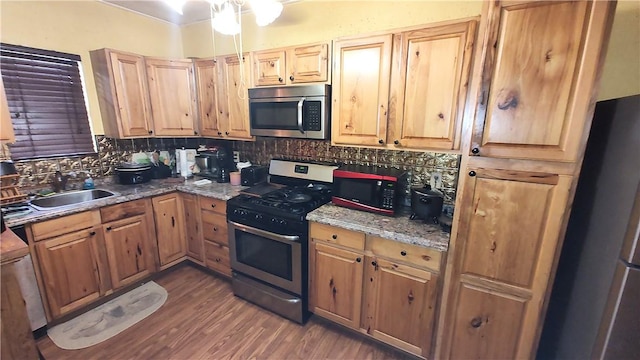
201 319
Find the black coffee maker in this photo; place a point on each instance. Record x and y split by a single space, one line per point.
215 163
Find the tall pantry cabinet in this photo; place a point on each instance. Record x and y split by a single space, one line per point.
534 86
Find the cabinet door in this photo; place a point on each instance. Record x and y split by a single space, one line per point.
195 246
307 64
234 78
206 74
6 126
336 291
169 219
538 74
72 272
429 86
214 228
128 250
269 67
360 92
400 305
173 97
507 239
133 110
217 258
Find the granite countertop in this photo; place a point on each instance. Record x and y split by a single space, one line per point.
399 228
222 191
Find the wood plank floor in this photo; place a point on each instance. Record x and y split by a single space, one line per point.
201 319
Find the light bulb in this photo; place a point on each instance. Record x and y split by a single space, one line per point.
224 21
266 11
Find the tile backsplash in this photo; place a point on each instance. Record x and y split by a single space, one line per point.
38 173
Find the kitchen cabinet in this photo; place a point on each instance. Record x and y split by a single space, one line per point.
233 80
360 91
507 238
173 96
73 271
195 245
215 235
429 80
536 80
6 126
207 90
170 229
292 65
128 237
123 94
383 288
405 90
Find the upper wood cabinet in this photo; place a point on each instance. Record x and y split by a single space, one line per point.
429 86
233 81
170 231
123 94
403 90
6 126
293 65
207 89
173 96
507 239
538 72
360 91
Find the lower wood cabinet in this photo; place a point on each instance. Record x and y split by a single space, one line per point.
170 230
73 271
215 235
193 226
128 250
360 282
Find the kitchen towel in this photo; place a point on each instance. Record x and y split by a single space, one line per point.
110 318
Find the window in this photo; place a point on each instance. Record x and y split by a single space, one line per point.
46 101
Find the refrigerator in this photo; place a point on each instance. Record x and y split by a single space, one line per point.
619 333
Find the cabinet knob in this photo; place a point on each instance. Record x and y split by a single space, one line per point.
280 79
219 133
358 259
213 205
472 173
108 228
396 142
291 77
380 141
334 236
217 260
403 253
150 131
92 233
195 133
475 151
374 263
226 133
476 322
215 228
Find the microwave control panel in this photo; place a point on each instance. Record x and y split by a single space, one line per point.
388 195
312 115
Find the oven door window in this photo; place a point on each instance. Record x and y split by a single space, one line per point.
268 255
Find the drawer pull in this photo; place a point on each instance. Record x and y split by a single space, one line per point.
173 222
403 253
92 233
476 322
213 205
374 263
358 259
108 228
215 228
334 236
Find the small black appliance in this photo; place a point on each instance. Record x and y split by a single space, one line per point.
253 175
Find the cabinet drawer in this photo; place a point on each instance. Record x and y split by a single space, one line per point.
217 257
54 227
215 205
214 227
334 235
124 210
412 254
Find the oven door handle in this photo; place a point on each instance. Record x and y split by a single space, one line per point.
300 103
267 234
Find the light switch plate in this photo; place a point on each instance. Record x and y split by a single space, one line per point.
236 156
436 180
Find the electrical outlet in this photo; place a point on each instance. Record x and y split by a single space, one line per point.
436 180
236 156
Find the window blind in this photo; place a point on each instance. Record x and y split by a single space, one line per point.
46 102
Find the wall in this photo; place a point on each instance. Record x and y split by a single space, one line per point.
80 26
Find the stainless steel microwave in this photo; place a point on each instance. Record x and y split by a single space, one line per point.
291 111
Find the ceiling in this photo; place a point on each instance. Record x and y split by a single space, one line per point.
193 11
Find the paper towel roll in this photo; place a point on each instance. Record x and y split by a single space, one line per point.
181 161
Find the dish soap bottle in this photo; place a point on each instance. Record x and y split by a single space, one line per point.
88 183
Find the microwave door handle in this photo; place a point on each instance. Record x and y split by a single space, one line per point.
300 114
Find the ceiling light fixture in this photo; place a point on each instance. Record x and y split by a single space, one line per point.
176 5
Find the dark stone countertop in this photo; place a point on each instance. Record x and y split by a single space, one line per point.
399 228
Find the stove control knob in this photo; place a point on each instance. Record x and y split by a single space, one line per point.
282 222
259 217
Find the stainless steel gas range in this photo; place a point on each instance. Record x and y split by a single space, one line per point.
268 236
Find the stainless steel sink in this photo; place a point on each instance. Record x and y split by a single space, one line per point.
70 198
